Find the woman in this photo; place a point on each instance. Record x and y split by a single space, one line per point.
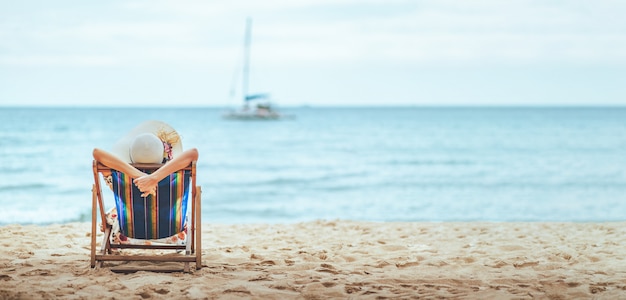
149 142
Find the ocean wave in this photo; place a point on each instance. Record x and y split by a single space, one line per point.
287 180
428 162
27 186
18 169
232 214
38 217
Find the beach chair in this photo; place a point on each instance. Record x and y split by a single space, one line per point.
176 208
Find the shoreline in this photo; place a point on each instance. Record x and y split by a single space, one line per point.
336 259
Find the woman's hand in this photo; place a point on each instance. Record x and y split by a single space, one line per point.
147 184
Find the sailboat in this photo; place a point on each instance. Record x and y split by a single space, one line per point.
255 106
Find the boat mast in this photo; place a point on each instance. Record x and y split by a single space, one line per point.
246 60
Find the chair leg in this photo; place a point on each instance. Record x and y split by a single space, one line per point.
105 248
94 210
198 233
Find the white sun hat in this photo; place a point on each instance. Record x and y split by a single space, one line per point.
150 142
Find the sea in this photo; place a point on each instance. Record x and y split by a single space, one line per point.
382 164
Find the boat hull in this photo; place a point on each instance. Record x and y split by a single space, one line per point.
252 116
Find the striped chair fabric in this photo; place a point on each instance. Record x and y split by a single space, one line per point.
152 217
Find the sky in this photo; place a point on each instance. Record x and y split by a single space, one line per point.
313 52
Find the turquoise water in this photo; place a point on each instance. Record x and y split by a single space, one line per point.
375 164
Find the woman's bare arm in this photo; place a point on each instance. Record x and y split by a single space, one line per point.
115 163
148 183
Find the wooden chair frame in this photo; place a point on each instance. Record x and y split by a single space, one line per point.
192 247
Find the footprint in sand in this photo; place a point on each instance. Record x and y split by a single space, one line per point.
238 290
407 264
149 291
525 264
326 268
353 288
283 287
499 264
37 272
25 254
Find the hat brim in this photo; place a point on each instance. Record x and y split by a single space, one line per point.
121 148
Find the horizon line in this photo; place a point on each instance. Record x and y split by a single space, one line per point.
331 106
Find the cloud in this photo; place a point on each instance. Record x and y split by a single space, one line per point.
289 33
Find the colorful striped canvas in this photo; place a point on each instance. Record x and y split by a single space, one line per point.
152 217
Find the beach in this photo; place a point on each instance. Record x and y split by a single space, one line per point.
335 260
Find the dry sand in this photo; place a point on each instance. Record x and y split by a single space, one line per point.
337 259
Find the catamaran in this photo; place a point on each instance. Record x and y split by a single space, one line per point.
255 106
